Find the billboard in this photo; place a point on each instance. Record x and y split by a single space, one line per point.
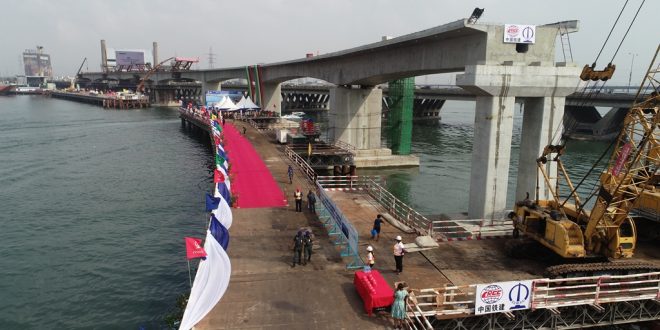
37 64
128 57
519 34
125 57
502 297
213 97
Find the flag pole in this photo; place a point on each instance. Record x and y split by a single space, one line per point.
189 275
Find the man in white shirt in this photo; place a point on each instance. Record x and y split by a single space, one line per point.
398 255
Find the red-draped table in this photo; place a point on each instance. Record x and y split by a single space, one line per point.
373 289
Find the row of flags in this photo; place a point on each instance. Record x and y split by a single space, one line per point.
214 271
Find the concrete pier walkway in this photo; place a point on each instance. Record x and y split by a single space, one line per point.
265 292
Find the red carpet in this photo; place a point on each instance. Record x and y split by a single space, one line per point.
251 181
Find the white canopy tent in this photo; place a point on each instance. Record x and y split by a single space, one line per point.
247 104
226 104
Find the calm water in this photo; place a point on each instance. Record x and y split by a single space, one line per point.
95 205
441 184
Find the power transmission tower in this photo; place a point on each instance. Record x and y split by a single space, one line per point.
211 58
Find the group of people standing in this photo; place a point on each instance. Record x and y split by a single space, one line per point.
298 195
311 200
302 247
303 243
398 250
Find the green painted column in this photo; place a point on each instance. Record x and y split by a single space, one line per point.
401 95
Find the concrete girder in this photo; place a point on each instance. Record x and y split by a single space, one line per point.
447 48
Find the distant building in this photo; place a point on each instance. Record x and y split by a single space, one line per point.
37 67
37 63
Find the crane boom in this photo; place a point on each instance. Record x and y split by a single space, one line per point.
632 165
179 63
606 230
140 86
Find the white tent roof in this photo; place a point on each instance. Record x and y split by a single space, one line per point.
226 104
246 103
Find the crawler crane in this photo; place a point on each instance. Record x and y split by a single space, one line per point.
606 232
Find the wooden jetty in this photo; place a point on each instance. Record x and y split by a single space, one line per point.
115 101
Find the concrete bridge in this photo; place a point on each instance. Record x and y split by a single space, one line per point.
497 73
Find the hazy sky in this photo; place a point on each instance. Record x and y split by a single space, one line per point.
245 32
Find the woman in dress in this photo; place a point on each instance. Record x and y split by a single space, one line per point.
399 306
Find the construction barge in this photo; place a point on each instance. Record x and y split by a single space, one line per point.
121 100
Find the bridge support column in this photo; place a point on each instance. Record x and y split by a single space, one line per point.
542 125
209 86
272 97
491 150
496 87
402 94
355 116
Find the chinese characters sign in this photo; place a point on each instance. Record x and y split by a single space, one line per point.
519 34
502 297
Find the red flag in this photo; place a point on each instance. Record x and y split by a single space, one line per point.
218 176
217 140
194 248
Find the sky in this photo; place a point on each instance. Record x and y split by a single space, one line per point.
247 32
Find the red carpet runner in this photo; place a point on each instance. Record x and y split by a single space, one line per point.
251 181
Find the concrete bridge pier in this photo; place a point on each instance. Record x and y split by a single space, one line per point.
210 86
542 125
272 97
355 118
491 150
544 87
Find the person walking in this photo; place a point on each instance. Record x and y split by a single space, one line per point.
371 260
399 306
399 251
308 244
290 173
298 197
311 202
375 231
298 244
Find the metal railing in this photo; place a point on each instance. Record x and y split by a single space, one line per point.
550 294
340 227
395 207
343 145
302 163
594 290
472 228
400 210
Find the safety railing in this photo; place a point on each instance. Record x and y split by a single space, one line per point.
343 145
347 182
594 290
472 228
302 163
459 301
340 228
395 207
399 210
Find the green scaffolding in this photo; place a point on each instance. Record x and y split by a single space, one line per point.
401 95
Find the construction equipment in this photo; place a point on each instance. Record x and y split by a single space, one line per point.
178 64
588 72
563 225
73 81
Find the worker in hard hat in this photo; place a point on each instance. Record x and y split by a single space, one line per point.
371 260
399 251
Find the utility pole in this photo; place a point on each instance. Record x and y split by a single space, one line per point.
631 68
211 58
